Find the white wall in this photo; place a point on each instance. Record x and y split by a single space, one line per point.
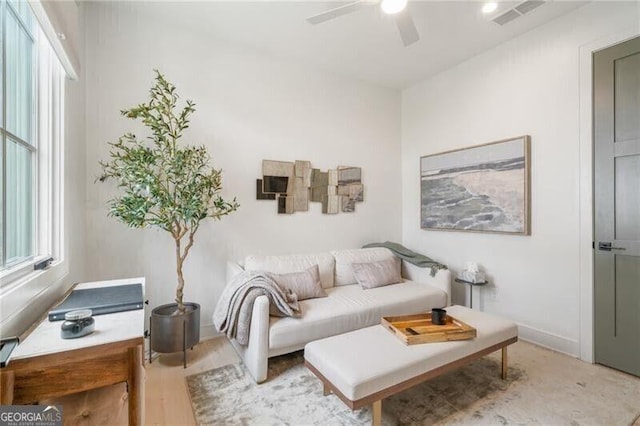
250 107
528 85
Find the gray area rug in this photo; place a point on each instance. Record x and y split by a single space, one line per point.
293 396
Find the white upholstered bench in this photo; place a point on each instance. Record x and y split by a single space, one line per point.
365 366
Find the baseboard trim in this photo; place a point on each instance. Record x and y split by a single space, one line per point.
549 340
208 331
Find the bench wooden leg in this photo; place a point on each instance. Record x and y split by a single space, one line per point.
376 413
326 390
504 363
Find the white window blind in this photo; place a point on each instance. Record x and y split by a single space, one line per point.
19 150
31 137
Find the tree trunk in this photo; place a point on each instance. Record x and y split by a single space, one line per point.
180 288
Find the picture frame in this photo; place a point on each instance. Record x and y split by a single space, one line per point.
482 188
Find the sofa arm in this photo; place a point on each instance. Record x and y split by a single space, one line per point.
255 355
441 280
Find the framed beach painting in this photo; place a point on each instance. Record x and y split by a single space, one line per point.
483 188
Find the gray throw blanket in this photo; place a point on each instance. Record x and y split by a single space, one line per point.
410 256
233 311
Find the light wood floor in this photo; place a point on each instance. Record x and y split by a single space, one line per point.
166 399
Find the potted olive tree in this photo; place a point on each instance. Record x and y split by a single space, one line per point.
170 186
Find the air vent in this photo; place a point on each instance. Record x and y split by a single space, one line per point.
508 16
528 6
517 11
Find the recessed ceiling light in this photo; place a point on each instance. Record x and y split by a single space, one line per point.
489 7
393 6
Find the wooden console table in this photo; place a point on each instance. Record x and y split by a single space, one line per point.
46 366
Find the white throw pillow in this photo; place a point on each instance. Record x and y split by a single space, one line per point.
305 284
377 274
346 258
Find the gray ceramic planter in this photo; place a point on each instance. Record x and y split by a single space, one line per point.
172 332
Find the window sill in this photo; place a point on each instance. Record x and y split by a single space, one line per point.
25 299
23 270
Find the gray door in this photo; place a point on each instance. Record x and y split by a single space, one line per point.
616 106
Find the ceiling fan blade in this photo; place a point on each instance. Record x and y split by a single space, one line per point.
406 27
335 12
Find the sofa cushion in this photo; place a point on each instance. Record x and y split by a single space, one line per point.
305 284
344 259
294 263
377 274
349 308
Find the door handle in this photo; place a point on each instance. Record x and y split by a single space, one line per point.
606 246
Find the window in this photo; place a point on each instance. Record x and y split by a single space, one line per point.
30 130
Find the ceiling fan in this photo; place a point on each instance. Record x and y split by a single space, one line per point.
406 27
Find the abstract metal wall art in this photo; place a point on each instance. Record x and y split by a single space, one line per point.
294 184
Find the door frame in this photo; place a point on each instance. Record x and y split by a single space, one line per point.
585 183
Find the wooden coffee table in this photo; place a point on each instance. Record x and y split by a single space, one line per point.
365 366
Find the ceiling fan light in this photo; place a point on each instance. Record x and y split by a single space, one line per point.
393 6
489 7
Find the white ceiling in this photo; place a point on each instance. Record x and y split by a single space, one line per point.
364 44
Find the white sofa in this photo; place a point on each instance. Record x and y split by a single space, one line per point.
348 307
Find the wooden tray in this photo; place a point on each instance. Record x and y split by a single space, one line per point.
418 328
